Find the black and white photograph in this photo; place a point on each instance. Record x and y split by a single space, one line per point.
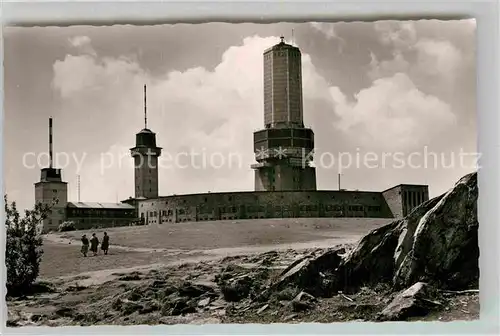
237 173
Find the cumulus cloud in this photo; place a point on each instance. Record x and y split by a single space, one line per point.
328 29
82 43
430 62
392 114
397 33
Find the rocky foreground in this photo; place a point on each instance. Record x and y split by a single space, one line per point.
424 266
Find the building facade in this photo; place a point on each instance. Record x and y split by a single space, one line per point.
87 215
145 155
51 190
392 203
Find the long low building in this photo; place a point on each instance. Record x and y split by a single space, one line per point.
88 215
395 202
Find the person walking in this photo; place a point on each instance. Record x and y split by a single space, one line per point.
94 243
85 245
105 243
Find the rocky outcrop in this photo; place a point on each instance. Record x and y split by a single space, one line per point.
436 243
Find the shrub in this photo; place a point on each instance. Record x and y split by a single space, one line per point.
67 226
23 246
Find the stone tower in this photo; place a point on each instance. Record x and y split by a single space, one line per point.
51 190
284 148
145 154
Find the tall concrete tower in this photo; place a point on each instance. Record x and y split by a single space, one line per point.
145 154
283 149
51 190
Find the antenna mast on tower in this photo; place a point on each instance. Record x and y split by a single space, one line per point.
293 39
50 143
78 186
145 109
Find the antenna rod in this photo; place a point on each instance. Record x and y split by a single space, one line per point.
78 185
50 142
339 181
293 39
145 109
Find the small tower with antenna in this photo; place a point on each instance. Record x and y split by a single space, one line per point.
145 155
51 190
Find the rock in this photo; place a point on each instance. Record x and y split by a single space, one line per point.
179 306
287 294
237 288
193 290
303 301
149 307
36 317
64 312
262 308
290 317
208 320
129 307
436 243
414 301
307 273
131 277
203 303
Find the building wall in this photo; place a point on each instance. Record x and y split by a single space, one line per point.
285 177
402 199
88 218
248 205
146 176
46 193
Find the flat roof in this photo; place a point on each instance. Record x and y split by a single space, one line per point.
406 185
262 192
97 205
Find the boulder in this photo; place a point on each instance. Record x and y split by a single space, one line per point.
417 300
307 273
194 290
303 301
436 243
237 288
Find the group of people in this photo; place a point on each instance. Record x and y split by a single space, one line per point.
94 244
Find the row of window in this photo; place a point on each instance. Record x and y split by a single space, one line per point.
256 198
277 208
100 213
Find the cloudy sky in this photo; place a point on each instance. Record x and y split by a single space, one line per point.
383 87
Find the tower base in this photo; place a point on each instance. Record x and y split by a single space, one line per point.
285 178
